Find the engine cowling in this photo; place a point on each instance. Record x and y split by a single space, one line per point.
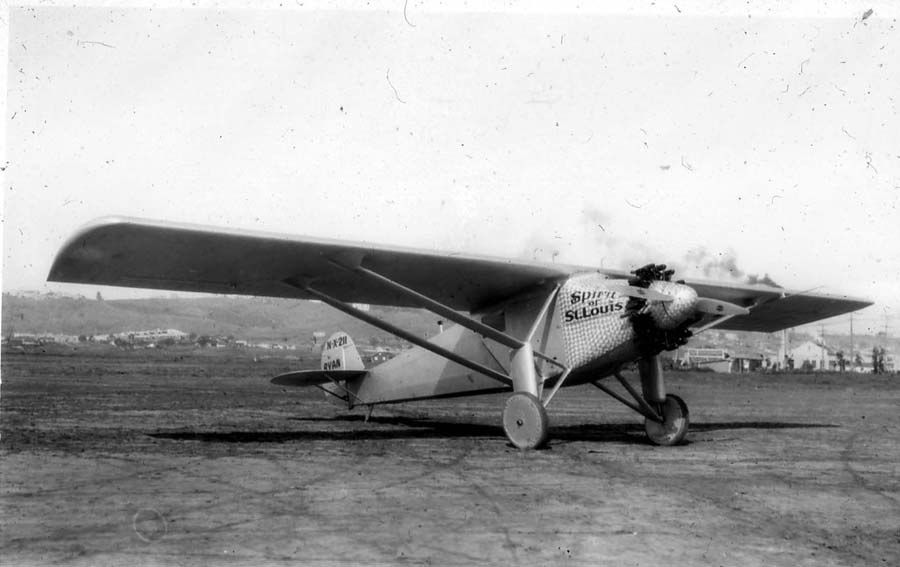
670 315
611 320
661 325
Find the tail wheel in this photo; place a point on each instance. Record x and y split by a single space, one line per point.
525 421
674 426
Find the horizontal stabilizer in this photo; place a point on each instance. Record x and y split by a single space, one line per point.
304 378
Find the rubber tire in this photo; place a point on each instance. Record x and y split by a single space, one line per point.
676 421
525 421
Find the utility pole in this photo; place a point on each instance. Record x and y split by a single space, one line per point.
784 349
822 344
852 357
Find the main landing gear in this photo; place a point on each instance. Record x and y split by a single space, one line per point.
666 417
674 425
525 421
524 417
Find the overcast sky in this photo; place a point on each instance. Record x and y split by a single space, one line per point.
677 133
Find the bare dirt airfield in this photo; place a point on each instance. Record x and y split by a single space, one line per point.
183 459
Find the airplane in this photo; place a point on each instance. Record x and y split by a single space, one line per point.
521 327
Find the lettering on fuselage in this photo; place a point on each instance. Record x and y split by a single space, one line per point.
335 343
583 296
587 303
591 310
591 318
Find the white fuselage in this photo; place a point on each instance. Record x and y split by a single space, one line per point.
585 329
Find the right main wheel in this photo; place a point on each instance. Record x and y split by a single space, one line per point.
674 427
525 421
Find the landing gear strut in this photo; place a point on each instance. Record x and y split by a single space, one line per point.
666 417
524 417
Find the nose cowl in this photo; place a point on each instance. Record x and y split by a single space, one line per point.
671 314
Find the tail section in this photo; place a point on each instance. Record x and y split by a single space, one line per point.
341 365
339 353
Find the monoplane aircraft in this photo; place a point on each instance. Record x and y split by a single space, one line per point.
527 328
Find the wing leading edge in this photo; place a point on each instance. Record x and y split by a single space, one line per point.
160 255
140 253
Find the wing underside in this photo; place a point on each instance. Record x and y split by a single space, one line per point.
156 255
773 309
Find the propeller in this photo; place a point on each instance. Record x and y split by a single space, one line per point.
718 307
639 292
653 282
664 314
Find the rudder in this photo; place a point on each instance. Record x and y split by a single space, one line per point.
339 353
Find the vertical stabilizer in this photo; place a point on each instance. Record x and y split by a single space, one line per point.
339 353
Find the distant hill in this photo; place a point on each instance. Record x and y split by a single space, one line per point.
242 317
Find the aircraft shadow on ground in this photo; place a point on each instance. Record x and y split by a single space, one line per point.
425 428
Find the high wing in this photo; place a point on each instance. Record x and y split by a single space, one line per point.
160 255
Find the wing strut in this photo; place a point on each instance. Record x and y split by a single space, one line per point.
439 308
405 335
522 375
427 303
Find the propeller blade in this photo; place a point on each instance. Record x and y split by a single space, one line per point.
716 307
639 292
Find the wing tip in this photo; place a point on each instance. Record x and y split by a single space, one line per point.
69 253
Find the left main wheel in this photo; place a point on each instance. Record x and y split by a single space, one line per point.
674 427
525 421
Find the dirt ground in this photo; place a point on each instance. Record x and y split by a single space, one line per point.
180 460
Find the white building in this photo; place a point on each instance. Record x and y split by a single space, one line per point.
816 356
153 336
